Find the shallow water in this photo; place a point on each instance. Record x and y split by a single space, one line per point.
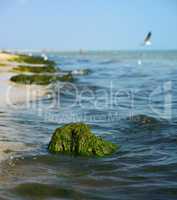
116 89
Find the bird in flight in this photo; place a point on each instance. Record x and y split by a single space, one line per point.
147 40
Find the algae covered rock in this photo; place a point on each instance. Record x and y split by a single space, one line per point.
36 69
39 79
78 139
32 60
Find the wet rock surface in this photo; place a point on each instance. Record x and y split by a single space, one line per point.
78 139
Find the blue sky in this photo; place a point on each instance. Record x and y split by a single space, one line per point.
87 24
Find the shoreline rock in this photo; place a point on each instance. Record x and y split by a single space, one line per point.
21 58
37 79
35 69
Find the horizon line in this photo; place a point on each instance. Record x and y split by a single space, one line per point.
11 50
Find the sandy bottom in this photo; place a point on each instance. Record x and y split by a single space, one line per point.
5 57
13 94
11 97
9 149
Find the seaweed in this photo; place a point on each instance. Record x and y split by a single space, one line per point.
39 79
32 60
77 139
36 69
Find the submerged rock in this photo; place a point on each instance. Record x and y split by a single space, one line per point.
143 120
78 139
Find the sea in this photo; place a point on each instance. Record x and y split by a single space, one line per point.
126 97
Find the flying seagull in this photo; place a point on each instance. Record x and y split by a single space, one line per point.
147 40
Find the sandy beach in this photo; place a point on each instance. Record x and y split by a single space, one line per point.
11 95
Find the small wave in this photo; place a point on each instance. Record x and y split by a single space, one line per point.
81 71
108 62
10 149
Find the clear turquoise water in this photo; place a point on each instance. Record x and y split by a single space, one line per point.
145 165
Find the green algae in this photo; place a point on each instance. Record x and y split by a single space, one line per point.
78 139
2 65
32 60
40 74
39 79
36 69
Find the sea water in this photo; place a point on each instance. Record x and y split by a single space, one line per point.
116 89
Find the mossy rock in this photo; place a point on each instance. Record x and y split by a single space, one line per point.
36 69
78 139
39 79
32 60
